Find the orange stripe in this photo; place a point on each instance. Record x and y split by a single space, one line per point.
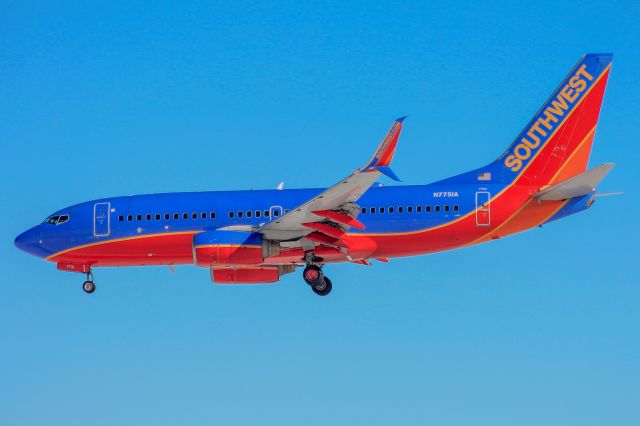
581 165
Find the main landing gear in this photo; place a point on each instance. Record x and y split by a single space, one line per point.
88 286
319 283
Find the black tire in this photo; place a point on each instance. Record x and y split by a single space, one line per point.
323 290
89 287
312 274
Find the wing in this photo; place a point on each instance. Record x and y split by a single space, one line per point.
335 206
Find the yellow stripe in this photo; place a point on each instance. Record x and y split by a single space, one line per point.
116 240
399 233
228 245
502 225
513 216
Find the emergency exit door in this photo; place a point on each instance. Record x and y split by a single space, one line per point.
483 208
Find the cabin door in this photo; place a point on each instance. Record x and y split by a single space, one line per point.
101 219
483 208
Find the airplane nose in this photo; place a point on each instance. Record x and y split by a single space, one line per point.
28 240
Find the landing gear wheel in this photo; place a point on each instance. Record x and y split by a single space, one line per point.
89 287
323 287
312 274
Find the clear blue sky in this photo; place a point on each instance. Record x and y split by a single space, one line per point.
125 98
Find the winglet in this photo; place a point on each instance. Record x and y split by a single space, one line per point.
384 154
388 172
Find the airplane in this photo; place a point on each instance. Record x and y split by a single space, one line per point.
257 236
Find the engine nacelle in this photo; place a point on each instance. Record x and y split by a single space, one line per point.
248 275
232 248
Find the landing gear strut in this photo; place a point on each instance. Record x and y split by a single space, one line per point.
319 283
88 286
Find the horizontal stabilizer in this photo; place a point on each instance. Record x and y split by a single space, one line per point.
609 194
576 186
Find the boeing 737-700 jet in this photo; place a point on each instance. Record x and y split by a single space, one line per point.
258 236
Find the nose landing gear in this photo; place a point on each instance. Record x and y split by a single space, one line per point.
88 286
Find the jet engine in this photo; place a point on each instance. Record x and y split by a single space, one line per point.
250 275
232 248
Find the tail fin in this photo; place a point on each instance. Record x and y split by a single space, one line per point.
556 143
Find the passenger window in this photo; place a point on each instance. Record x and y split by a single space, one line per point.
446 208
436 208
157 216
230 215
410 209
194 215
400 209
427 209
129 218
148 216
176 216
419 209
372 210
212 215
381 210
456 208
363 210
120 218
258 213
240 214
390 209
276 213
139 217
286 211
266 213
185 216
249 213
203 215
167 216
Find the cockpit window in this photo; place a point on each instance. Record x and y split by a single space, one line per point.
57 219
52 220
